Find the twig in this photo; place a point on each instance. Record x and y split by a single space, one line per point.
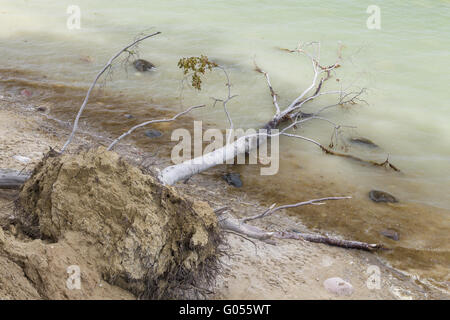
244 237
150 122
348 244
272 209
228 222
272 92
225 101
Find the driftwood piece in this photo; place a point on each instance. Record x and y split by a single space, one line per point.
228 222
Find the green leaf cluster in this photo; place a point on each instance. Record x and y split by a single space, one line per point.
198 66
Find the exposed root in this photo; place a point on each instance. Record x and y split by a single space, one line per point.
147 238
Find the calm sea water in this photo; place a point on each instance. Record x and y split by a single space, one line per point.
404 66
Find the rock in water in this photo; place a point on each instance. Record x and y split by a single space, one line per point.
391 234
364 141
233 179
143 65
151 133
338 286
27 93
381 196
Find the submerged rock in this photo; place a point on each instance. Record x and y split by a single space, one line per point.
152 133
364 141
338 286
391 234
129 116
143 65
233 179
381 196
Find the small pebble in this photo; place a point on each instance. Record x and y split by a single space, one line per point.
338 286
151 133
129 116
391 234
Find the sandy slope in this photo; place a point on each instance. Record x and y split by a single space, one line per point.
254 270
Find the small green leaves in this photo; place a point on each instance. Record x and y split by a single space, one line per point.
198 65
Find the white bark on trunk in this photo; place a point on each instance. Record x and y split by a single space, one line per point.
172 174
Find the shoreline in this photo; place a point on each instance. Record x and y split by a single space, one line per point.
289 270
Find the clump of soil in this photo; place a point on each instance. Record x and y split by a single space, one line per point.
144 237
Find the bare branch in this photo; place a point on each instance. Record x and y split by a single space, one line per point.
353 99
272 210
225 101
105 68
272 92
228 222
348 244
150 122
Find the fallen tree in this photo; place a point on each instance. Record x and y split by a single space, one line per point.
284 122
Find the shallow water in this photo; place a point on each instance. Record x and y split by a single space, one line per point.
404 66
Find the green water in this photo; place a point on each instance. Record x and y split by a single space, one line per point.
404 66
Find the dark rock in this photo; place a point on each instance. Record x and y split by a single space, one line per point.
364 141
151 133
233 179
391 234
381 196
143 65
41 109
129 116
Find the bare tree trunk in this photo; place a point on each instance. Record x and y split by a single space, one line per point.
12 179
187 169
